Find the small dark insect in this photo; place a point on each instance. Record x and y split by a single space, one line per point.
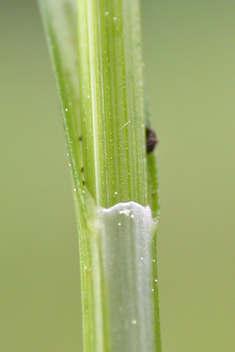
80 138
151 139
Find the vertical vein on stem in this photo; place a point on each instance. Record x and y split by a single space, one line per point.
93 98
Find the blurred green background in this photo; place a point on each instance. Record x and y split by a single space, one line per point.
189 51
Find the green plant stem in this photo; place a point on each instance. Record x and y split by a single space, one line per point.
110 72
117 234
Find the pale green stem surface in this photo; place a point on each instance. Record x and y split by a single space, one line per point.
96 52
112 112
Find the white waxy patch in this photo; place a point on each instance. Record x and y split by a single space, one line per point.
125 212
125 238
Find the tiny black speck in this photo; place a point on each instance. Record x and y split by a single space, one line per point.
151 139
